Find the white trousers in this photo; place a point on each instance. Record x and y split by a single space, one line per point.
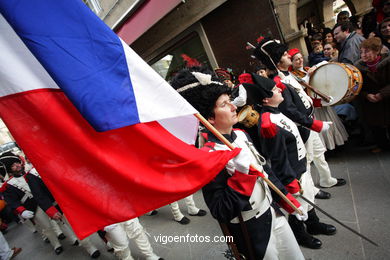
309 191
282 243
43 223
5 251
68 232
315 153
131 229
192 209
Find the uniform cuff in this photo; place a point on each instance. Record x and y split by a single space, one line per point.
286 206
293 187
51 211
20 209
242 183
317 125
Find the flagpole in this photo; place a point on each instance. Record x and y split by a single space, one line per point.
213 130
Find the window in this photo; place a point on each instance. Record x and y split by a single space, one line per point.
171 61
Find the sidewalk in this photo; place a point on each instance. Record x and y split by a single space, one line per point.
363 204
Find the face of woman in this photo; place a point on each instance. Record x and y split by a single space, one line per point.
385 29
328 50
328 38
368 55
297 61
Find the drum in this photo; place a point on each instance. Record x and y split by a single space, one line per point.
342 82
248 116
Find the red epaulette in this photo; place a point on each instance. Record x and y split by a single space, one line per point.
239 129
279 83
3 187
268 129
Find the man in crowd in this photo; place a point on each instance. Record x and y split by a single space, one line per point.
349 42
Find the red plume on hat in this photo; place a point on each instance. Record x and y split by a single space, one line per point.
190 62
258 40
245 78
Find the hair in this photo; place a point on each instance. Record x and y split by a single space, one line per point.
345 26
387 19
202 97
373 43
333 44
316 37
342 13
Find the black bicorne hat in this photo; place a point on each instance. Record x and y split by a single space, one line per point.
7 159
258 90
269 52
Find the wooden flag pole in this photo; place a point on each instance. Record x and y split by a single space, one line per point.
230 145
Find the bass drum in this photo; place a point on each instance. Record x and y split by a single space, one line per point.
342 82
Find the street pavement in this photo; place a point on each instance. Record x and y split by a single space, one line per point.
363 204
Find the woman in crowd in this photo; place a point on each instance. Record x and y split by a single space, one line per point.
384 29
375 93
337 134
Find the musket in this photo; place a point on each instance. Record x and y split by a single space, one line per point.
338 221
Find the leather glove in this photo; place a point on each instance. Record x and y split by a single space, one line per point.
110 227
242 161
27 214
301 217
326 126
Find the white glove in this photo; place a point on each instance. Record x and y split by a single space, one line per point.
110 227
27 214
326 125
242 161
301 217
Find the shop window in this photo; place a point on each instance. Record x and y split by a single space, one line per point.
169 62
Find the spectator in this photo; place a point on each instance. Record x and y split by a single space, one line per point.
343 16
384 29
317 55
331 52
349 42
327 36
375 94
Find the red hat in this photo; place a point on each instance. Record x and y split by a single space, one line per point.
292 52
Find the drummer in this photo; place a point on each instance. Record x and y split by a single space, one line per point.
337 134
298 106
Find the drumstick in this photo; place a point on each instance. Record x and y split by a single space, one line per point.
327 99
231 146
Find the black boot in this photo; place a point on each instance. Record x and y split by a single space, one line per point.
315 227
303 238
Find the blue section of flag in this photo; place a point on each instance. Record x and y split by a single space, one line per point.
83 56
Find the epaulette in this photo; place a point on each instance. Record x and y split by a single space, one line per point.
279 83
3 187
268 129
239 129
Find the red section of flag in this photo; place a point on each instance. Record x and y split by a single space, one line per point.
104 178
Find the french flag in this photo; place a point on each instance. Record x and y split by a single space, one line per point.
110 138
